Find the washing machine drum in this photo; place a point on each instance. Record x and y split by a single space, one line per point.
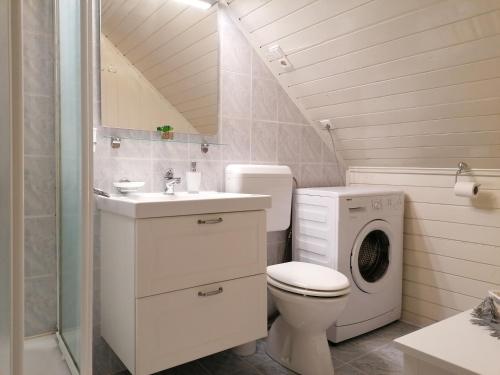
371 256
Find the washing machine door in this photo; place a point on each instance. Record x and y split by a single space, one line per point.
371 256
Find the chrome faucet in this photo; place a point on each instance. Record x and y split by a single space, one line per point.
170 182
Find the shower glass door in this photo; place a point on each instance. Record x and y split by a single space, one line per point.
70 176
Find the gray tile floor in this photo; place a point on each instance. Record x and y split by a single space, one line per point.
369 354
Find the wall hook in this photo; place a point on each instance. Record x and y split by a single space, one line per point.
116 142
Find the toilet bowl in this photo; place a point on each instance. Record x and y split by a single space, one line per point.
309 298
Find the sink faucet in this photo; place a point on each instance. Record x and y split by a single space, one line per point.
170 182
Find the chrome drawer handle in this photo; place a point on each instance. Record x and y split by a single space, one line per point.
211 293
211 221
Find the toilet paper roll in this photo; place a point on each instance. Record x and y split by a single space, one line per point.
466 189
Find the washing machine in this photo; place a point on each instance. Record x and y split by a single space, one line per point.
359 232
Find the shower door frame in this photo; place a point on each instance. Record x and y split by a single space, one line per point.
86 289
15 114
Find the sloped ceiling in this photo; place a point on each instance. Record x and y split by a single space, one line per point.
176 47
405 83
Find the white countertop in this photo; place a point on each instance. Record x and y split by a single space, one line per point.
149 205
456 345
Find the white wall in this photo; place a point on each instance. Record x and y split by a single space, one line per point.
406 83
451 244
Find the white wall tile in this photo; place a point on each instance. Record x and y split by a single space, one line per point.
38 16
265 141
289 140
311 146
236 98
287 110
264 99
237 139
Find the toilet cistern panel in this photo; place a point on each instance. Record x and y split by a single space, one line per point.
273 180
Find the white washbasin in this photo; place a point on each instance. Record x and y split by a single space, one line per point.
146 205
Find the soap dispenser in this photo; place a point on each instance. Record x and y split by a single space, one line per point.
193 179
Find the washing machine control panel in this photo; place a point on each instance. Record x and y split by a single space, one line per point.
386 203
375 204
389 202
378 205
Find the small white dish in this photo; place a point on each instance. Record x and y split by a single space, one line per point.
495 295
125 187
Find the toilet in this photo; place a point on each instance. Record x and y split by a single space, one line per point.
309 297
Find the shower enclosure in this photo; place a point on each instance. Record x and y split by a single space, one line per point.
74 181
73 142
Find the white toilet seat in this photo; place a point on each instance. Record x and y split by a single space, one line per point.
307 292
308 279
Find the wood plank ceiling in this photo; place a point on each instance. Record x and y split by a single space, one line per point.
176 47
405 83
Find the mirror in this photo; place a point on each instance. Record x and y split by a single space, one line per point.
160 65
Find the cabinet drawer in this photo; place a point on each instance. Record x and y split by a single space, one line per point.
175 253
178 327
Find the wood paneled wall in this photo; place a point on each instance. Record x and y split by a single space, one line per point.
405 83
451 244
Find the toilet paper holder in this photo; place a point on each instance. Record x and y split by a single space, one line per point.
463 167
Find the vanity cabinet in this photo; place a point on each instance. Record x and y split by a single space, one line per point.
174 289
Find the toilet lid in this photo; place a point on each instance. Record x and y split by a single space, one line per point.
308 276
306 292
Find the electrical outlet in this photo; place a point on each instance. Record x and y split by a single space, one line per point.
326 124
